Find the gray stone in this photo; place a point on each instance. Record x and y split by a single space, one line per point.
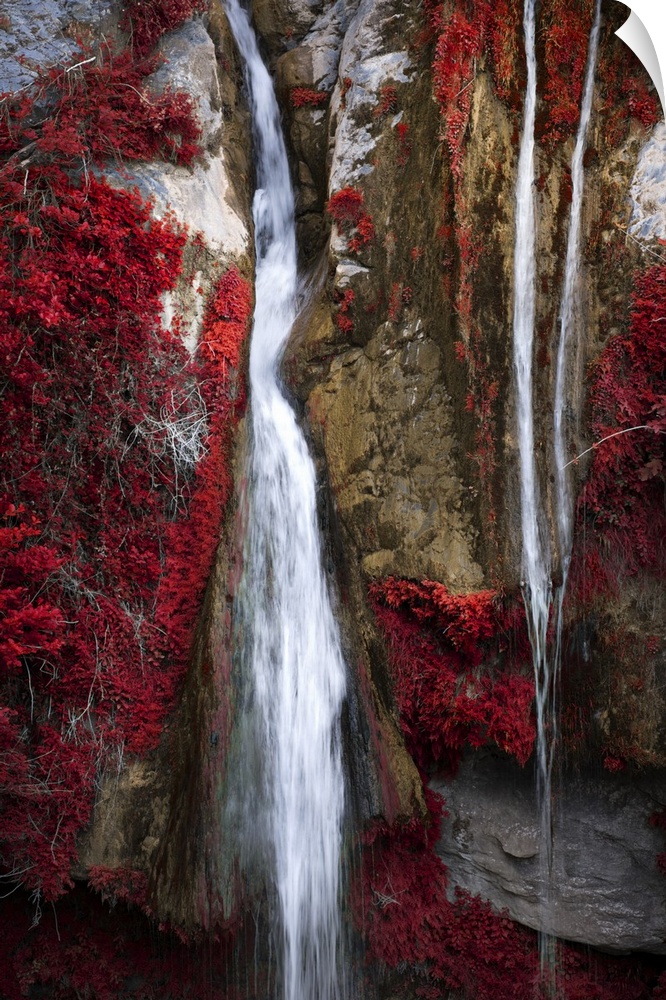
648 189
191 65
367 62
36 33
606 889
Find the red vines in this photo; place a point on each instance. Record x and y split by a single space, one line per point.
346 208
457 669
113 456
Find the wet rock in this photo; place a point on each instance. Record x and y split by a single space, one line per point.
606 889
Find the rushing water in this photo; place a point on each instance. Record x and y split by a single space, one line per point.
567 322
537 558
536 566
290 643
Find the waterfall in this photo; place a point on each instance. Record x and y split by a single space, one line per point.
289 642
536 562
536 549
567 319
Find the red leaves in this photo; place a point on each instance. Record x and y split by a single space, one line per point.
388 102
445 651
346 209
99 110
148 20
94 388
456 941
566 31
623 496
228 316
120 885
453 73
303 97
345 301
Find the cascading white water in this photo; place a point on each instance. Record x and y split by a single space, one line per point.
537 557
536 566
290 642
567 318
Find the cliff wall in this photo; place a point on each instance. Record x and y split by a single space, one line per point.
123 416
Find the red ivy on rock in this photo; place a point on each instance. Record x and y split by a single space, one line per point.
346 209
147 20
84 948
460 669
455 941
623 496
304 97
96 110
114 451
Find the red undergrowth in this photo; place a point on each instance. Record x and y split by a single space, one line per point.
346 208
85 948
114 455
461 669
456 940
622 500
147 20
96 111
303 97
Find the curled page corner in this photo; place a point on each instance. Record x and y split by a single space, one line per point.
645 34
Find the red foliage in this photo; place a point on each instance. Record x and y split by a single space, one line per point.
98 110
346 209
457 941
345 301
566 31
148 20
99 591
120 885
457 662
84 948
404 143
388 102
302 97
228 315
623 496
458 46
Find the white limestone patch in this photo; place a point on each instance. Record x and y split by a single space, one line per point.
197 197
324 42
362 62
188 304
346 270
648 189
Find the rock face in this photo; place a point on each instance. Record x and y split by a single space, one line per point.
605 890
401 365
35 34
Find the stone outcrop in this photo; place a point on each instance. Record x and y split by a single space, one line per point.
606 889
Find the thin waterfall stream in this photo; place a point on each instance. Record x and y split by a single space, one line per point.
290 645
567 324
537 557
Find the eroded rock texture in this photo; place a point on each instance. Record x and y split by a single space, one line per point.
605 890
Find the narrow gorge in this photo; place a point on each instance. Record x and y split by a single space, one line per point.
332 506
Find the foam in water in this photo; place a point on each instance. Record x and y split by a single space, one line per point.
290 645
